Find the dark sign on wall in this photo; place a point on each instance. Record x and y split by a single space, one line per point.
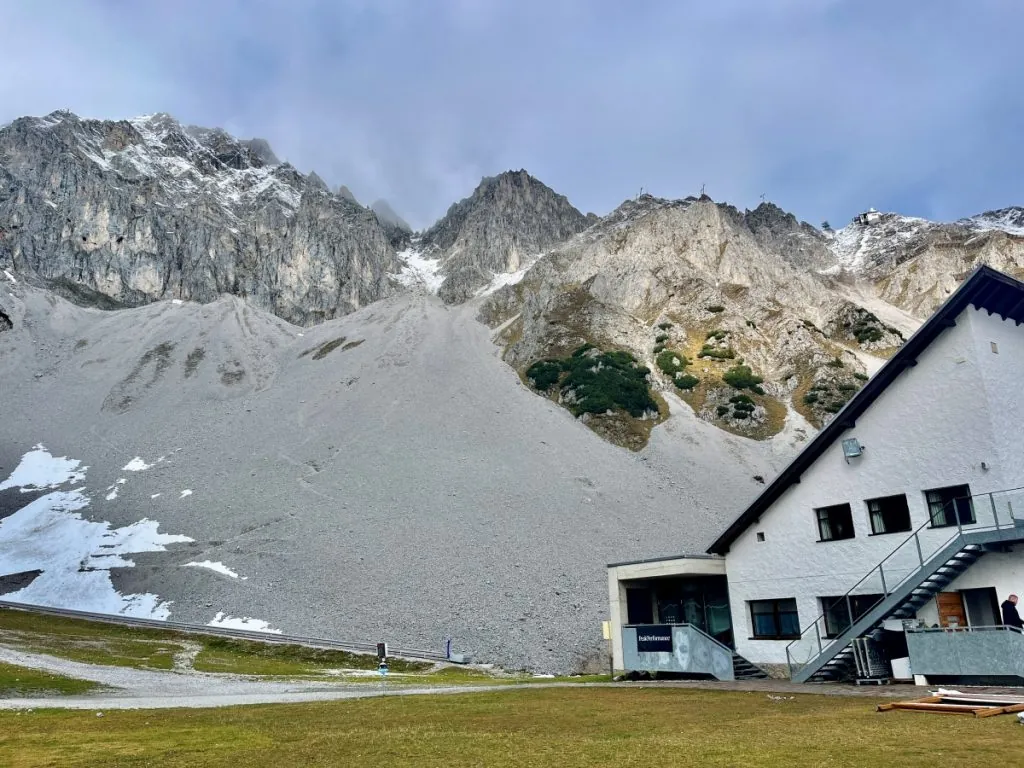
652 639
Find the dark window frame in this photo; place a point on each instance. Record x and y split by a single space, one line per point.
777 613
882 514
824 515
860 604
953 502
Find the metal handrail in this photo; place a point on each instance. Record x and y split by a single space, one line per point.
880 567
971 628
243 634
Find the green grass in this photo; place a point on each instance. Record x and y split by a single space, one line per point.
245 657
108 644
544 727
17 682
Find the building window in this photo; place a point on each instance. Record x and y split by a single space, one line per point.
889 514
837 611
775 619
835 522
950 506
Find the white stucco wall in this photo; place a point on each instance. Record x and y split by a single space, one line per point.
933 427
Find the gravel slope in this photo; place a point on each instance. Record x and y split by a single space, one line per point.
409 488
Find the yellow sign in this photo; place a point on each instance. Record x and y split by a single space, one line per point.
606 630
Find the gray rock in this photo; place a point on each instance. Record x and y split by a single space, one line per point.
508 219
145 209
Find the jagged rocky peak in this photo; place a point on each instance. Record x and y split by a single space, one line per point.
387 216
1010 220
508 220
346 194
132 211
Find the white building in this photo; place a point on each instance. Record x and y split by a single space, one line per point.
906 506
870 216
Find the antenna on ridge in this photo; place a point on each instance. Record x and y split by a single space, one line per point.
762 197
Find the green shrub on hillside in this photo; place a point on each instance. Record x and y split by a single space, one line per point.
860 376
715 308
718 334
606 382
686 382
835 362
661 337
722 410
719 354
665 326
671 362
544 374
742 377
810 398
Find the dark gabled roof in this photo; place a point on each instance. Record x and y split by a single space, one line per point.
985 288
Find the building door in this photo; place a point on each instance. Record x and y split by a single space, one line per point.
982 607
951 609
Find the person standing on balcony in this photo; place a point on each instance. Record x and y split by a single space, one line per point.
1010 616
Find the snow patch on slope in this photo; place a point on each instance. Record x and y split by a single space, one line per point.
212 565
40 470
419 271
250 624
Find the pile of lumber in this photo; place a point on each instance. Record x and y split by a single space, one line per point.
956 703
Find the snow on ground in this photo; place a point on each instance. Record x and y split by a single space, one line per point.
509 278
10 277
419 271
73 555
234 622
213 566
40 470
186 492
136 465
1010 220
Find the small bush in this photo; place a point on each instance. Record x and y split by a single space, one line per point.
718 354
847 387
687 382
810 398
665 326
751 324
661 337
741 377
740 415
544 374
860 376
740 399
718 334
580 351
745 407
715 308
722 410
658 348
835 362
671 362
834 407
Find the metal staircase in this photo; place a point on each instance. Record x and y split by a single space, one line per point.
911 575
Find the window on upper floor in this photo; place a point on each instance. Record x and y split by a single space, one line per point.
835 522
774 619
889 514
950 506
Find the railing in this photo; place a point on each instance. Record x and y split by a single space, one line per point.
993 654
990 511
947 630
205 629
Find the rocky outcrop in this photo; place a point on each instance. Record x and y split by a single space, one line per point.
395 227
144 209
508 219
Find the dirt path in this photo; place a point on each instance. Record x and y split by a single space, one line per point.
155 689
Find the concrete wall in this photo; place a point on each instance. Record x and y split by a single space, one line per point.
932 427
700 565
692 652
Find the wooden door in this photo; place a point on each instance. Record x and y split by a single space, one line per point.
951 609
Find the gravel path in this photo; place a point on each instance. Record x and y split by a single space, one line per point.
152 689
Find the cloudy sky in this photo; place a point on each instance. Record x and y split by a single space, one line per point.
826 107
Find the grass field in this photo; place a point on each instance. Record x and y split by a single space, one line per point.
552 726
17 682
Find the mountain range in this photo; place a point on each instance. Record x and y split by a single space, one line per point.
414 435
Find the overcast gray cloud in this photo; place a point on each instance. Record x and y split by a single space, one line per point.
824 106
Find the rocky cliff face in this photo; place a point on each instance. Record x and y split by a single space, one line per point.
123 213
507 220
752 318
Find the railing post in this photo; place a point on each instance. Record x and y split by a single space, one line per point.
917 540
995 514
849 611
881 573
818 633
789 663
